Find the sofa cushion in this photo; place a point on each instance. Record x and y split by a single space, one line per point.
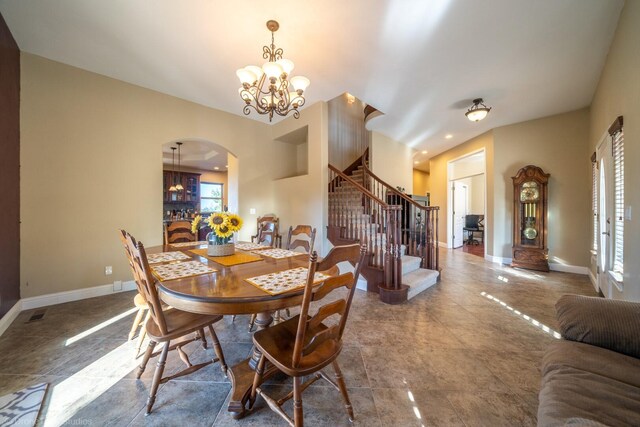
588 383
606 323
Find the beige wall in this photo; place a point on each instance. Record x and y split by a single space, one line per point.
559 145
618 93
420 182
92 163
392 161
439 187
303 199
348 136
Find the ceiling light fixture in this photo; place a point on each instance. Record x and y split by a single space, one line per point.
416 162
173 170
477 111
448 136
266 89
179 186
424 151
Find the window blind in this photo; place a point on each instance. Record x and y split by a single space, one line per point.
618 189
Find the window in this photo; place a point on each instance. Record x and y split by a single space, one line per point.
594 201
618 199
210 197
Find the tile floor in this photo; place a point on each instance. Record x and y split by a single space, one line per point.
451 356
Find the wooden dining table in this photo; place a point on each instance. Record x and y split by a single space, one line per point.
226 292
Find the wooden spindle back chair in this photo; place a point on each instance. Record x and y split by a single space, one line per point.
168 324
295 240
267 231
139 301
177 232
304 344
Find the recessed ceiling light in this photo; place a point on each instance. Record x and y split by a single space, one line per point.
416 162
424 151
448 136
217 168
226 166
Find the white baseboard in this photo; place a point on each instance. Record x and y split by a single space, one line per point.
497 259
577 269
593 280
10 316
553 266
75 295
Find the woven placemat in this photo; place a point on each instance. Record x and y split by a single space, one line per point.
167 257
280 253
248 246
187 244
230 260
284 281
180 270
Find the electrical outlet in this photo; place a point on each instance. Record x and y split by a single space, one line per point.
627 213
252 211
117 285
108 270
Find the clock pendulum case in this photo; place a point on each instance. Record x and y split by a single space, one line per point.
530 219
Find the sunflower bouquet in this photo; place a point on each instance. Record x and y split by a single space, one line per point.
223 225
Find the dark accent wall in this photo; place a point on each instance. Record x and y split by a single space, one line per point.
9 169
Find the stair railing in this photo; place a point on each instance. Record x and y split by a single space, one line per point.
418 226
363 216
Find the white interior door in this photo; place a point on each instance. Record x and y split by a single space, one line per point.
605 214
459 198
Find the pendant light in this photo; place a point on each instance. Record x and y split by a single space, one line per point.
173 170
179 187
477 111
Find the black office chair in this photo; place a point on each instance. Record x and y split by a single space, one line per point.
474 224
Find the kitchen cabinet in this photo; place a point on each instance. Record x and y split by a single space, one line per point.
190 183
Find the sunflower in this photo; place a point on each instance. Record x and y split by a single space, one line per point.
195 223
217 220
223 231
235 222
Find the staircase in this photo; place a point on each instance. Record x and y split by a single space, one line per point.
399 233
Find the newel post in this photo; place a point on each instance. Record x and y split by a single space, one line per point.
392 291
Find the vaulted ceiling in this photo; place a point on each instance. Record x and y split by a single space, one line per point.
420 62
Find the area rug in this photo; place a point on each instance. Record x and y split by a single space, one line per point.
22 407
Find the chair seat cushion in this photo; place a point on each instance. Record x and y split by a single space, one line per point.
179 323
277 342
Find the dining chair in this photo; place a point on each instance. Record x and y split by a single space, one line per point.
301 237
267 231
168 324
177 232
140 303
305 344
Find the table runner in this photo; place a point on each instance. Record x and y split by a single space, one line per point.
181 270
230 260
284 281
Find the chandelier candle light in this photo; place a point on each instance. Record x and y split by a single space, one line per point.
266 89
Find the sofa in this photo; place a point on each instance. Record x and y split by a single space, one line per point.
591 377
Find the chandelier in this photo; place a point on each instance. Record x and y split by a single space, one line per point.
267 89
477 111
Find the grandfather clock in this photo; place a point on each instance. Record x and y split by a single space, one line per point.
530 219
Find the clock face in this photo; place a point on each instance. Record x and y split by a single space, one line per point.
530 233
529 192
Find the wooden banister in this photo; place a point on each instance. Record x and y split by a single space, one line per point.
364 191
